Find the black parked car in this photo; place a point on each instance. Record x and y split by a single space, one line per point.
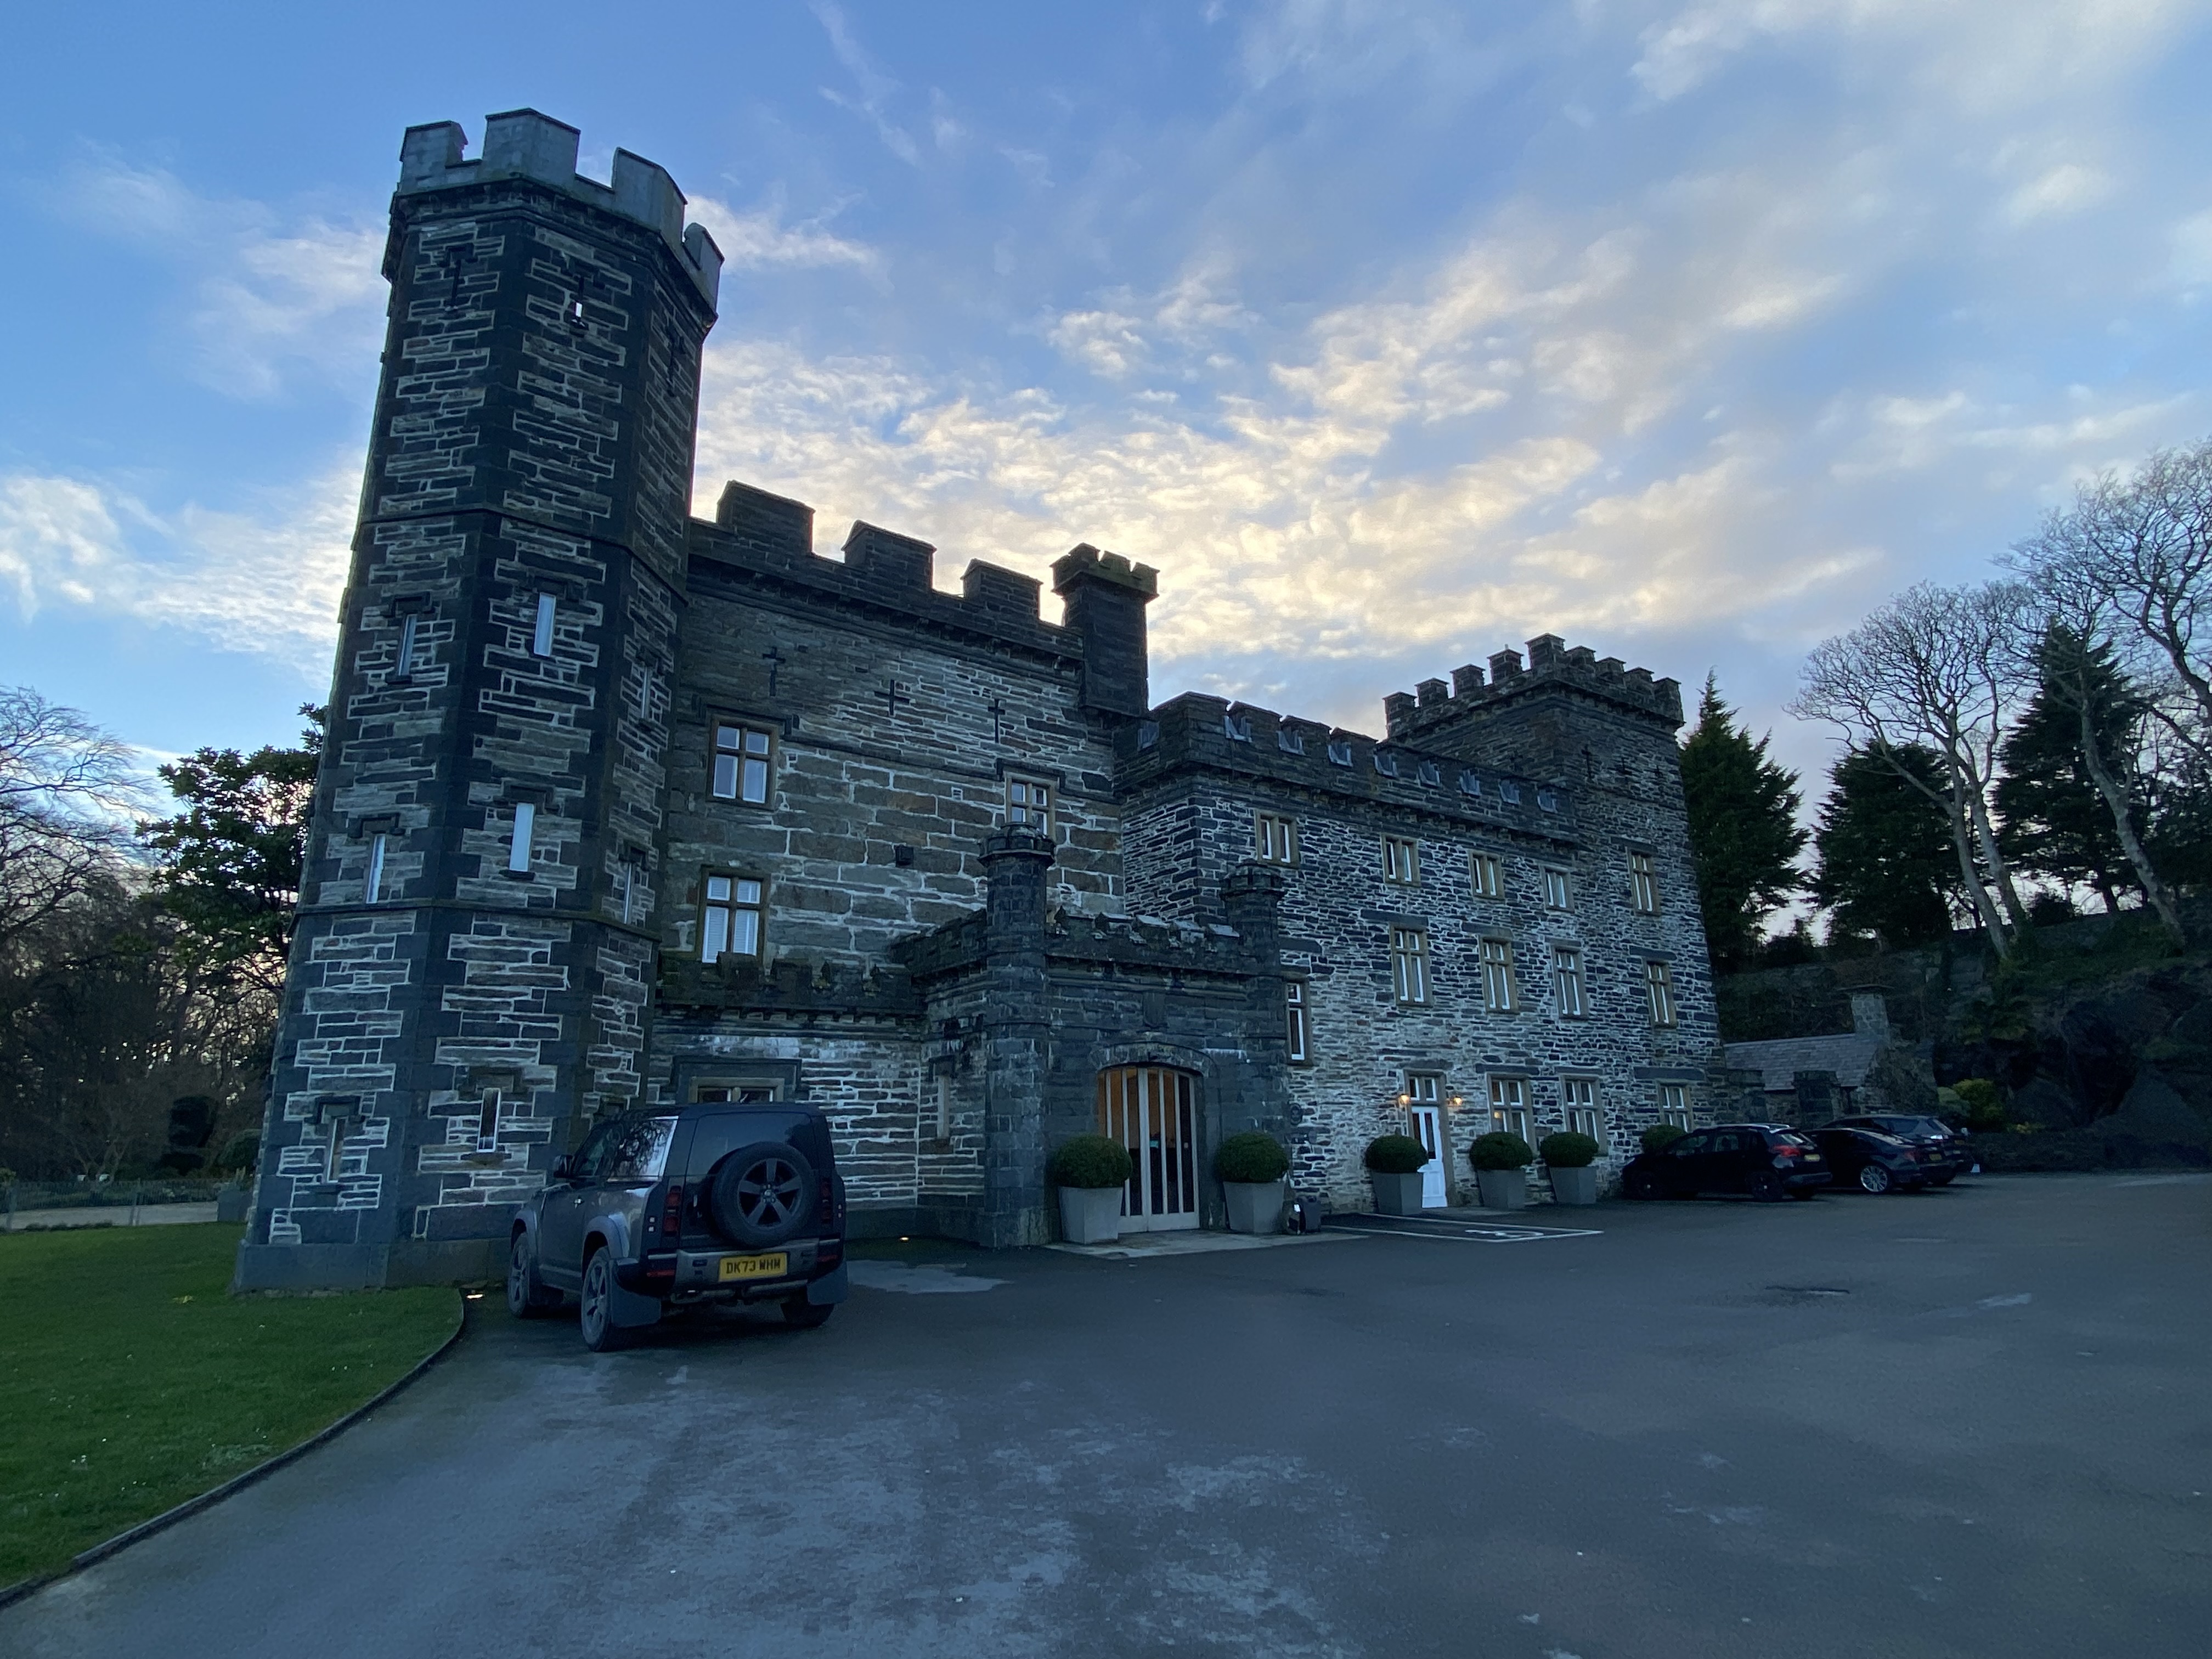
713 1202
1943 1151
1767 1160
1874 1162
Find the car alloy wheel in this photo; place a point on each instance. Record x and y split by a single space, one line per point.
1641 1185
596 1316
1874 1178
1766 1187
525 1297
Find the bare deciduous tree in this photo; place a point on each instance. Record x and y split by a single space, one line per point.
1942 667
65 787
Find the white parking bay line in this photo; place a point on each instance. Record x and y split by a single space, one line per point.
1478 1234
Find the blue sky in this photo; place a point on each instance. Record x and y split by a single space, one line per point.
1391 333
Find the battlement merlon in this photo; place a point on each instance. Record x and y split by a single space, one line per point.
522 144
1105 596
1552 665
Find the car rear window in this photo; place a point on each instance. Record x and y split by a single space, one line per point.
716 1135
638 1150
1791 1138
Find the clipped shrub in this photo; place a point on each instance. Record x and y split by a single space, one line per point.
1254 1156
1661 1135
1090 1161
1568 1151
1983 1103
241 1151
1396 1155
1499 1150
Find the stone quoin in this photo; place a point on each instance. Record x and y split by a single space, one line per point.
620 807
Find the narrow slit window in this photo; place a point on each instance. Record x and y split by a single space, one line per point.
411 627
541 638
1294 1008
517 849
729 925
488 1122
337 1147
742 754
944 1109
372 884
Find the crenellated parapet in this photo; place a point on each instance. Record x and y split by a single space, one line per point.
1146 944
1552 665
522 144
790 985
1196 730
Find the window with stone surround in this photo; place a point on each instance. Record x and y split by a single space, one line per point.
1499 992
744 757
1488 875
1583 1118
372 885
1409 965
1274 838
1509 1107
1567 979
541 635
731 911
1675 1105
1659 985
1029 805
1642 883
1294 1009
1558 890
519 841
1401 860
410 628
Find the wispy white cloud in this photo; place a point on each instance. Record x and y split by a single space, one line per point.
265 581
259 296
758 239
875 89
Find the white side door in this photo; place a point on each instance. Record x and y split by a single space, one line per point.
1429 1130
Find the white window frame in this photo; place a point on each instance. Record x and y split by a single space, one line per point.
1559 888
1582 1111
1486 874
1274 838
1567 981
1659 993
1509 1106
541 632
1675 1105
1030 804
743 759
727 898
1409 966
1297 1035
1401 860
1500 996
1643 882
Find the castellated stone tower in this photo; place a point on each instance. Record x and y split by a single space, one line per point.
474 951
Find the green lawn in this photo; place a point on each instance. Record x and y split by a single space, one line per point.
131 1379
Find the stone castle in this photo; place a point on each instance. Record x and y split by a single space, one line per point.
620 806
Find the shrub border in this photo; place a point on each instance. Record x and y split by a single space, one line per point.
238 1483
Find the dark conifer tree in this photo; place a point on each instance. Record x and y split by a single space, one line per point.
1886 865
2054 820
1743 829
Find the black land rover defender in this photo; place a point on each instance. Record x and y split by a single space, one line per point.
711 1202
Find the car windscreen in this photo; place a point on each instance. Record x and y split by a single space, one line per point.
1919 1126
638 1150
715 1135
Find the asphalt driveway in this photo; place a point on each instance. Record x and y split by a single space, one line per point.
1966 1423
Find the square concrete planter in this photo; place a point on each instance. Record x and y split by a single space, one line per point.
1254 1206
1091 1215
1396 1194
1502 1189
1575 1186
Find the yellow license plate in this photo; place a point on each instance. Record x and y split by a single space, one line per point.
755 1267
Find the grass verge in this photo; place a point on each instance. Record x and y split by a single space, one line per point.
131 1380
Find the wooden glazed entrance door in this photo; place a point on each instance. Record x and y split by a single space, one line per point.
1153 1112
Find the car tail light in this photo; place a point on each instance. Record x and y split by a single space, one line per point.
829 1202
661 1266
1783 1154
671 1211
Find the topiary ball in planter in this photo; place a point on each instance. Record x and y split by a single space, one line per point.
1254 1156
1395 1155
1091 1163
1568 1151
1500 1150
1661 1135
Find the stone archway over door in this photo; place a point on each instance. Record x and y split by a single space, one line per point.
1153 1111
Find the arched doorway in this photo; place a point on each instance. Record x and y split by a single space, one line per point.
1153 1111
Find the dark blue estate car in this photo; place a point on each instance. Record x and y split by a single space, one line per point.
1766 1160
716 1201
